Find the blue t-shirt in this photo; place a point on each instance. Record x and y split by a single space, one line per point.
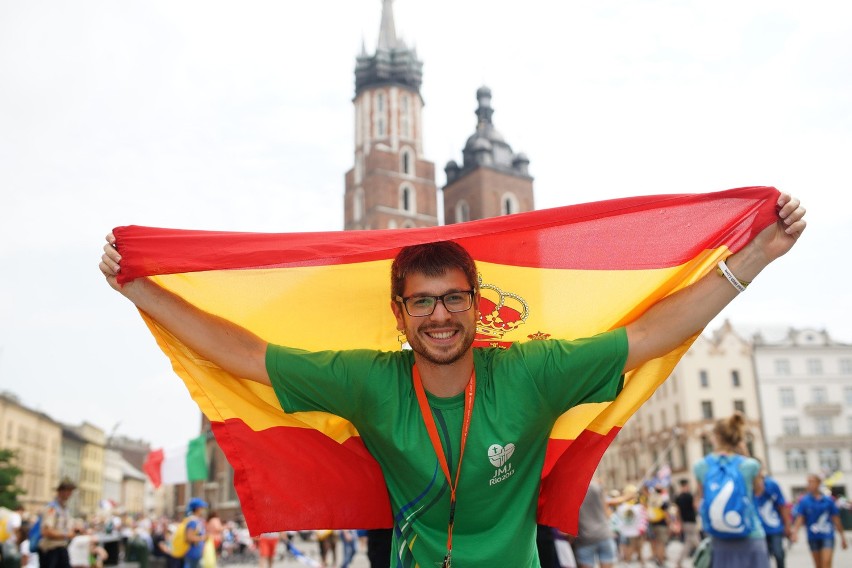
197 548
817 512
768 504
749 468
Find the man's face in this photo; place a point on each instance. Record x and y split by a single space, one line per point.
64 494
443 337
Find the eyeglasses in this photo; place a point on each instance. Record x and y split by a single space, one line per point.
422 306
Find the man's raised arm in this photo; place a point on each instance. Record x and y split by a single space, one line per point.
226 344
678 317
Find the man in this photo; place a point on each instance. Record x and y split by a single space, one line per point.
773 513
57 529
501 403
195 532
685 502
819 513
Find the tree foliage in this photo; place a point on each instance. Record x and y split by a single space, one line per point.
9 474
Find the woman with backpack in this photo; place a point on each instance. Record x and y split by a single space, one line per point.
726 492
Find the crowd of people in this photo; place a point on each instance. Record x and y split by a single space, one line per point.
734 517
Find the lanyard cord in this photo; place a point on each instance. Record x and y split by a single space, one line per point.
429 420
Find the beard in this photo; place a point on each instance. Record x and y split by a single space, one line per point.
442 356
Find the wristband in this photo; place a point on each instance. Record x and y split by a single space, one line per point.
725 272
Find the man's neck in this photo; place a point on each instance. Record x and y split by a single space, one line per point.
445 380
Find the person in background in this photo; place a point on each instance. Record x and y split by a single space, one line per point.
688 521
196 532
632 524
749 551
774 515
215 528
28 559
266 545
657 506
56 529
350 546
819 513
595 540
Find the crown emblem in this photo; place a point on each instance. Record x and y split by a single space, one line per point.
501 312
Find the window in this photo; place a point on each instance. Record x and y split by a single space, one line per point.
706 446
797 461
790 425
814 366
405 117
740 406
509 204
703 379
847 395
829 460
392 224
707 409
462 211
823 426
405 163
406 198
380 120
782 366
846 366
735 378
787 397
819 395
849 425
358 207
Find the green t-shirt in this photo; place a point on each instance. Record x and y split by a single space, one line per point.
520 392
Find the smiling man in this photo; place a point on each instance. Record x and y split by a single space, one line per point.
460 433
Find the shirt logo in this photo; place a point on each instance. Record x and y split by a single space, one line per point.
499 457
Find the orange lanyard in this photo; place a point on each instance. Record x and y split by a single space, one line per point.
429 420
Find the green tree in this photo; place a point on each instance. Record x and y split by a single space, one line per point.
9 473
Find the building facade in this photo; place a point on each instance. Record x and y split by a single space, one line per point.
36 440
805 387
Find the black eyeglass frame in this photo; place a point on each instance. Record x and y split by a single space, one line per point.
404 301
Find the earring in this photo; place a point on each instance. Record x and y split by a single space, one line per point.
401 338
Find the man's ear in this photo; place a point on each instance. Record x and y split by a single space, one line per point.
396 308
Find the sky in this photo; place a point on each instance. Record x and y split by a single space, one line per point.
238 116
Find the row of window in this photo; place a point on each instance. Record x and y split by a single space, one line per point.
819 395
508 205
823 425
707 408
797 460
813 366
704 378
380 117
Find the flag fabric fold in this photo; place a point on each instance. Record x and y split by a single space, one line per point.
566 273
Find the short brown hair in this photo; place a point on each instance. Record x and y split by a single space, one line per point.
431 259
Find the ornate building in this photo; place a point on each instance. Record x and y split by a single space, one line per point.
392 185
492 179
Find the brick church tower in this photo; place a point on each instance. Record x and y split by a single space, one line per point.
492 179
390 185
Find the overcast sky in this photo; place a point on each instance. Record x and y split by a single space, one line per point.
238 116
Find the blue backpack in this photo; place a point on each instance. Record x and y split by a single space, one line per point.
35 534
726 506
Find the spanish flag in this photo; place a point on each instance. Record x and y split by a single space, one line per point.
567 272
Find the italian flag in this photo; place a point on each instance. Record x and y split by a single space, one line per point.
568 272
181 464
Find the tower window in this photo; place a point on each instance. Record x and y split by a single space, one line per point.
358 206
462 211
509 204
405 117
406 162
380 117
407 199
